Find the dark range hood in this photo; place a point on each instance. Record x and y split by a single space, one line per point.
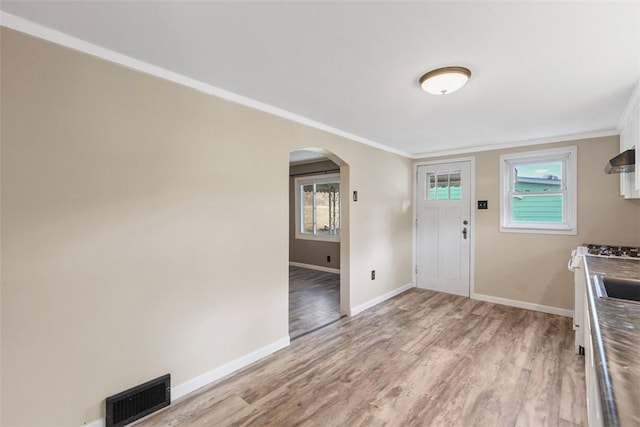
622 163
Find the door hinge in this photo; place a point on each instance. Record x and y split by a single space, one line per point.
416 269
416 222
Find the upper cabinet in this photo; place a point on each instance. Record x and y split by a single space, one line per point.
630 138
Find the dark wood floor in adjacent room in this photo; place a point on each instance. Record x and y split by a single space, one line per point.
420 359
314 300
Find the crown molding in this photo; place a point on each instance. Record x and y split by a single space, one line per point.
28 27
524 143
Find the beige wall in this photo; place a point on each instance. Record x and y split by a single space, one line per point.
310 251
533 267
145 229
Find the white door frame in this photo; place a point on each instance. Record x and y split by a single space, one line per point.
472 208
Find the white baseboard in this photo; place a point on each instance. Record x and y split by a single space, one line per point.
522 304
360 308
314 267
221 371
217 373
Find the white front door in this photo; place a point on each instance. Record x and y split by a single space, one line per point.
443 227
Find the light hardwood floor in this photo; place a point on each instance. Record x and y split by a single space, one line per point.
314 300
420 359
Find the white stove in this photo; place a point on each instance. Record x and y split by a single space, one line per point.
576 264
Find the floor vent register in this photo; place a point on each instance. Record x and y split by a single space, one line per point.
139 401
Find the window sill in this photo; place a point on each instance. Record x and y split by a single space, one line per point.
524 229
318 238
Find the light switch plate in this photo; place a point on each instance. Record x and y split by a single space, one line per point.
483 204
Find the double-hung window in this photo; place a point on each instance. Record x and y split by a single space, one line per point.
539 191
318 207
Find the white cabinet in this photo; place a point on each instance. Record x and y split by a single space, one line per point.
630 138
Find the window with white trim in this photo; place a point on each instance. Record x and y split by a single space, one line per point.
538 192
318 207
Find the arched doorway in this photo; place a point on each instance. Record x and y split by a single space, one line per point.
318 240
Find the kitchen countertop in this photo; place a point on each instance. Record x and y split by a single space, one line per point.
615 331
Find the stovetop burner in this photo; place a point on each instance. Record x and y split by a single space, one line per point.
613 251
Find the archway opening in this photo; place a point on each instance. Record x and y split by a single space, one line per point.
318 240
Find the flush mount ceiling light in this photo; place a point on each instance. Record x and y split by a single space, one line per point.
445 80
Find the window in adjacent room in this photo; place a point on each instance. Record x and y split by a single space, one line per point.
318 207
539 191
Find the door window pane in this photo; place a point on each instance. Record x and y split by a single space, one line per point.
455 186
431 182
444 186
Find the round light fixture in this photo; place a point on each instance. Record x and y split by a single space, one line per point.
445 80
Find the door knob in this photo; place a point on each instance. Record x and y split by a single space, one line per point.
464 233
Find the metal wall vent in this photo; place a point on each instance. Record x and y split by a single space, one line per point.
137 402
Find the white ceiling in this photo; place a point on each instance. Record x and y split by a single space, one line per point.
541 70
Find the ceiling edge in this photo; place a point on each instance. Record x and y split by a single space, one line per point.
489 147
28 27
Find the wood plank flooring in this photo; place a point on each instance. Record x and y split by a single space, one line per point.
422 358
314 300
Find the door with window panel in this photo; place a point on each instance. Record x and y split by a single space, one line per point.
443 227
